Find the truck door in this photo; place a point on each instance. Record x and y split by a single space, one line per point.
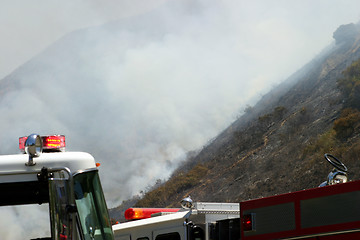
124 237
228 229
172 233
168 236
196 233
61 219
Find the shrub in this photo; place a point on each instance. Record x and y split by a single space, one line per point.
279 112
347 123
349 85
324 143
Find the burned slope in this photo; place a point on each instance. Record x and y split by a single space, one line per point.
277 146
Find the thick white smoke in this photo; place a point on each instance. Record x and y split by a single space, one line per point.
140 92
24 222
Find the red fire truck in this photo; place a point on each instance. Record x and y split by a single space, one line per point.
328 212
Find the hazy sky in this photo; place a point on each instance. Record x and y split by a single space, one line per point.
27 27
162 90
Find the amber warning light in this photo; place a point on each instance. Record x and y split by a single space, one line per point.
141 213
53 143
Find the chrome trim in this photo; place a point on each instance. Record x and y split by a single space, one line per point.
85 171
71 197
322 234
37 171
33 147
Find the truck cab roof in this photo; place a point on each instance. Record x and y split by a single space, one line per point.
12 165
19 182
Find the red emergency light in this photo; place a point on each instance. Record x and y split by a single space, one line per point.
248 222
142 213
49 143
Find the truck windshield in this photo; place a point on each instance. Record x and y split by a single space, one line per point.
91 206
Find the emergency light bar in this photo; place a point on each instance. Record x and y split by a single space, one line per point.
141 213
51 143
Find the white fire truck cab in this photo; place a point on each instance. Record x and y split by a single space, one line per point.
67 181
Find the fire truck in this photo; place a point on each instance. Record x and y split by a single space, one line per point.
199 220
328 212
67 181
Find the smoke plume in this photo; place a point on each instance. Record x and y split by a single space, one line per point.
140 92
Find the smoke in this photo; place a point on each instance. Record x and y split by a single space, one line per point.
28 27
140 92
24 222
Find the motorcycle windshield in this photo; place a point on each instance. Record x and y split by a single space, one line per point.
91 206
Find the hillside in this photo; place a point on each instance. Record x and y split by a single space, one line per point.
277 146
143 79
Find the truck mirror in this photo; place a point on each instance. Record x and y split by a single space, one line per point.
33 147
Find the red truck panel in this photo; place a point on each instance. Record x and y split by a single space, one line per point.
318 213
